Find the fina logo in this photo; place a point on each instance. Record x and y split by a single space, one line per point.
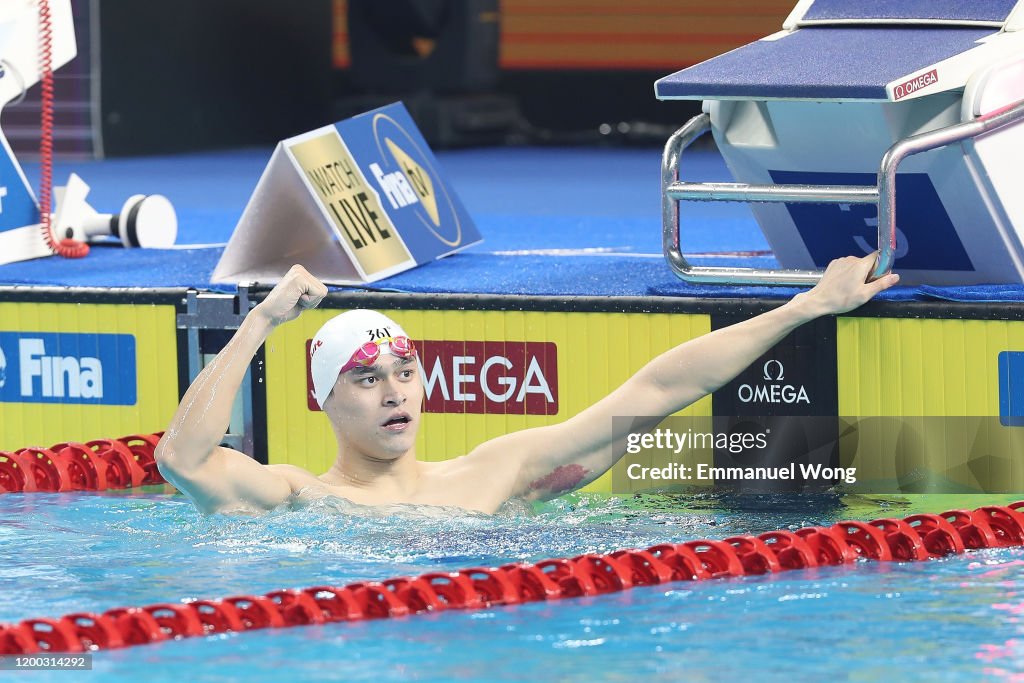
58 376
67 367
422 186
775 392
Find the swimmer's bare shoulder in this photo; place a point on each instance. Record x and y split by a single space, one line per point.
303 484
296 476
306 487
230 481
468 481
454 482
227 480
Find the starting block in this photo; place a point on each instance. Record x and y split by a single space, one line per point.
864 124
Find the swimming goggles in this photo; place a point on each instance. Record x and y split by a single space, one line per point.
367 354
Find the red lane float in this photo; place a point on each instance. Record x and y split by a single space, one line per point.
755 555
643 567
938 535
867 540
918 537
41 465
94 631
217 616
790 549
98 465
906 544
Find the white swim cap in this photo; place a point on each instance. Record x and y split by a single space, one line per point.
340 337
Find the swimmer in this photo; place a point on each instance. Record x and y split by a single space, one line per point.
367 379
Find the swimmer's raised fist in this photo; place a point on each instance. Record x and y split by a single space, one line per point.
844 286
297 290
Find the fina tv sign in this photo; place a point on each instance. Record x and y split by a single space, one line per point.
47 367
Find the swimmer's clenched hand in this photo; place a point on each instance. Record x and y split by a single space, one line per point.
297 290
844 286
189 456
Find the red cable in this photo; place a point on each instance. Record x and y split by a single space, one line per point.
67 248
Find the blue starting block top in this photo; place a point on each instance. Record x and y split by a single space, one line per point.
823 63
992 12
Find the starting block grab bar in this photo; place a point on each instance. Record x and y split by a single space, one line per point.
883 195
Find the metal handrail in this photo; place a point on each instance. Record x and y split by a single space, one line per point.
916 144
883 195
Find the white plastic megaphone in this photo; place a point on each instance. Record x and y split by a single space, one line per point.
144 221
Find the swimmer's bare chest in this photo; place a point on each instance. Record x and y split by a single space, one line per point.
443 487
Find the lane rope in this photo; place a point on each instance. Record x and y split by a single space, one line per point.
99 465
914 538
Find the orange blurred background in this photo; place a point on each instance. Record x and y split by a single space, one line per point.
614 34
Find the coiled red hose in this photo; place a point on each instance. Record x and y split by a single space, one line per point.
67 248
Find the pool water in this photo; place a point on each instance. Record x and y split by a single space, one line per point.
954 619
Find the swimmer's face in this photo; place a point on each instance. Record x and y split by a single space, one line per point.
376 409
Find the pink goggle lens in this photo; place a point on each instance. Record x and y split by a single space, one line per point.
368 353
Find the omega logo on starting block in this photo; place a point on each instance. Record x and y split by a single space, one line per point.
354 202
914 84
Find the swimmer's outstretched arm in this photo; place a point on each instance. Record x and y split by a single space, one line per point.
188 455
548 461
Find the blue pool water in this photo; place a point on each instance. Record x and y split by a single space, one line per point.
955 619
